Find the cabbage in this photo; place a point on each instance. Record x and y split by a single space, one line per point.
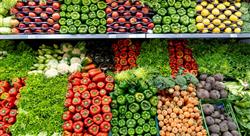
74 67
75 60
63 68
51 73
52 63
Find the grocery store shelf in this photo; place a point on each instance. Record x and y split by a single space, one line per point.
120 36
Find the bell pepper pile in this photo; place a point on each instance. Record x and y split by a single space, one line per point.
125 16
174 16
9 94
134 108
87 102
126 53
83 16
181 56
37 17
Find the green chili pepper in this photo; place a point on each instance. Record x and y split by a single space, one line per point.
137 116
146 127
70 22
89 22
166 28
184 20
62 14
153 111
141 121
152 122
114 129
75 15
162 11
139 97
164 4
175 18
85 9
64 30
67 2
129 114
177 5
191 12
96 22
123 130
175 27
131 123
93 7
130 98
171 2
122 109
148 94
103 21
115 113
101 29
186 3
63 7
134 107
72 29
70 8
114 104
131 131
84 17
131 90
77 23
101 14
139 130
62 21
101 5
145 105
154 101
146 115
157 29
166 20
171 10
121 99
181 11
157 19
86 2
192 28
153 131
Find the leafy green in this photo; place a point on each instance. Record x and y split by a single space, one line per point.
41 106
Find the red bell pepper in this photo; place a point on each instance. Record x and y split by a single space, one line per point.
76 75
4 111
84 113
123 55
75 88
106 100
106 108
12 120
105 126
102 134
94 93
94 129
92 86
98 119
100 85
118 67
83 88
13 92
1 118
2 89
76 81
78 126
85 95
95 109
85 75
77 117
5 84
67 133
187 58
103 92
87 134
116 60
187 66
76 94
88 67
125 68
70 86
99 77
6 119
179 54
76 101
8 103
179 62
131 54
107 116
70 94
16 80
132 48
1 132
86 103
66 115
1 125
109 87
79 108
77 134
97 100
13 113
17 85
5 95
85 81
88 122
72 109
123 62
109 79
131 61
94 72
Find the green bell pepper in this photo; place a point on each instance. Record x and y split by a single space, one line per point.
157 19
146 127
154 90
122 116
103 21
153 111
148 94
96 22
147 134
92 29
192 21
139 130
84 17
139 97
85 9
76 2
157 29
114 121
75 15
123 131
145 105
137 116
175 18
171 2
193 4
122 109
94 1
93 7
181 11
101 5
123 85
166 20
67 2
70 8
134 107
115 113
146 115
131 90
171 10
129 114
62 21
192 28
86 2
119 90
131 123
115 129
72 29
186 3
69 22
184 20
162 11
77 23
191 12
62 14
151 122
92 15
175 27
184 29
121 99
153 131
101 14
63 30
76 8
130 98
156 6
143 86
141 121
131 131
114 104
166 28
68 15
115 134
63 7
164 4
154 101
101 29
177 5
121 122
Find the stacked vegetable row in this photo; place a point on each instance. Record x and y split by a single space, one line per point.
86 16
126 53
125 16
88 103
9 98
37 17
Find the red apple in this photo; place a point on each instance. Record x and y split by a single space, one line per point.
19 5
26 20
38 10
145 10
50 31
138 26
50 21
139 14
15 31
121 30
108 10
114 4
127 3
38 31
145 20
32 25
45 26
44 15
21 25
55 16
31 3
151 25
127 26
13 11
121 20
127 14
27 32
133 9
116 25
110 20
56 5
32 14
19 16
138 3
38 20
49 10
144 30
133 20
42 3
56 26
109 29
115 14
132 30
49 1
26 10
109 1
121 8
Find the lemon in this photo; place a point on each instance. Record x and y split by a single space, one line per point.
216 30
206 21
237 30
216 22
210 6
200 26
204 3
222 17
227 22
222 26
238 14
228 30
226 3
240 22
228 12
205 12
211 26
205 30
199 19
215 11
233 18
211 17
221 7
198 8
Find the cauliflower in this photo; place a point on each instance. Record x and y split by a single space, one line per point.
62 68
75 67
52 63
51 73
75 60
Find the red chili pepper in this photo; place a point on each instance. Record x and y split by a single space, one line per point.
94 72
12 120
100 85
92 86
94 129
95 109
85 81
106 100
123 62
79 108
123 55
72 109
85 95
131 60
106 108
88 67
99 77
86 103
77 117
4 111
6 119
88 122
103 92
77 94
76 101
85 75
13 92
13 113
82 88
68 125
70 94
94 93
107 116
109 87
76 81
98 119
66 115
84 113
78 126
97 100
105 126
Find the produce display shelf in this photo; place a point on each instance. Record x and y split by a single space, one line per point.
121 36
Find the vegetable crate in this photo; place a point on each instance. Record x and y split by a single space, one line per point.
222 104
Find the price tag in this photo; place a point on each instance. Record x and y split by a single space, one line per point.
233 35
